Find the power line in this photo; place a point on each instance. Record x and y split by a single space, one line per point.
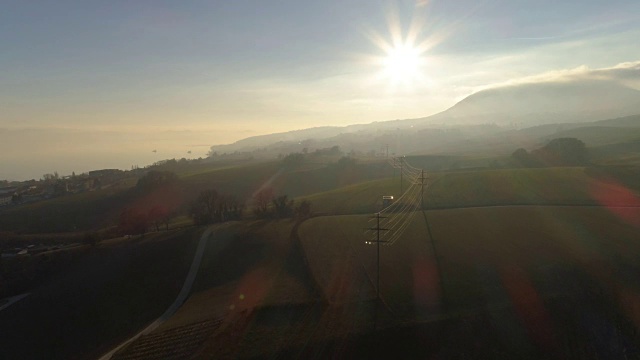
400 214
377 241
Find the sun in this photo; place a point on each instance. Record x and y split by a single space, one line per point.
403 59
403 63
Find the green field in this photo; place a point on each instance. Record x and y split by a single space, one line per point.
88 210
513 260
562 186
360 198
520 272
541 186
515 257
330 246
520 253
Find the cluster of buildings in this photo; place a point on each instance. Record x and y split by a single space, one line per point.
32 190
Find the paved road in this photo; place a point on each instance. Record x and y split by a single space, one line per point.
182 296
14 299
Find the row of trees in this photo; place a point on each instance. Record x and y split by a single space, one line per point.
209 207
212 207
558 152
156 200
296 159
267 205
155 179
135 221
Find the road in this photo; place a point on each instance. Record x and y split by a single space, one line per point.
180 299
11 300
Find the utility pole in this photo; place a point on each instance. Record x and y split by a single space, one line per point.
422 180
397 164
401 163
377 229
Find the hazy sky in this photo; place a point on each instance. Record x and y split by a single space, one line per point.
94 84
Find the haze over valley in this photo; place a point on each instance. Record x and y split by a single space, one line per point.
396 179
85 85
581 96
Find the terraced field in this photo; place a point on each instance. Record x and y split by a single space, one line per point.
251 274
177 343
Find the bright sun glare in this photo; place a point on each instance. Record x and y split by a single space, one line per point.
402 63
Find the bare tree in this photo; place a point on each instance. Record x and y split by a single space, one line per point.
262 200
203 209
133 222
158 215
283 207
303 210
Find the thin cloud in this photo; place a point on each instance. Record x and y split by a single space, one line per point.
627 73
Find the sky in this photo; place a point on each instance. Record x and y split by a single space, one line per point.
101 84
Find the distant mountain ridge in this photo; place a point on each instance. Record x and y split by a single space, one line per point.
539 103
523 105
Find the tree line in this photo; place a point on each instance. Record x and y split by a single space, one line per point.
211 207
558 152
155 205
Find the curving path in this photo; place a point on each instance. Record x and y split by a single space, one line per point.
180 299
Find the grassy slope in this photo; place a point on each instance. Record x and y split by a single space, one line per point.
345 266
510 186
545 186
66 213
255 259
534 238
251 285
359 198
519 274
541 241
100 299
309 178
505 267
626 176
99 209
243 268
600 135
329 246
627 153
241 180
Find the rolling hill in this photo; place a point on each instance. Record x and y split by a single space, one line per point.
541 103
519 106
